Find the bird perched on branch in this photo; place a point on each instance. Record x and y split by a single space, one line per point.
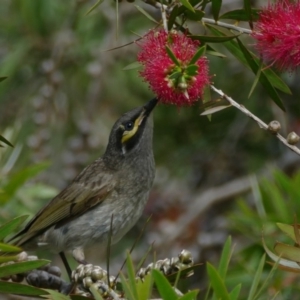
110 192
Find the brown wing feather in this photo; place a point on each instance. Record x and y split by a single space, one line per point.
83 193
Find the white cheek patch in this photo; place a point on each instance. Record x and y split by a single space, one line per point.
123 150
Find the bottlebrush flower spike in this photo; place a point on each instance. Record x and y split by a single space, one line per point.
277 34
172 67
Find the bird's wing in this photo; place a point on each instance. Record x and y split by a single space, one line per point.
86 191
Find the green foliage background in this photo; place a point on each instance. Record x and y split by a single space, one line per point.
66 87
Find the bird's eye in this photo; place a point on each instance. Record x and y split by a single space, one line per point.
129 125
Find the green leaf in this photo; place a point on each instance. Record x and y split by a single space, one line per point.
195 15
240 15
20 289
9 248
144 287
213 39
95 293
172 56
187 4
217 283
200 52
134 65
173 16
3 78
288 230
94 6
248 12
131 275
140 9
7 258
21 267
263 79
54 295
225 258
192 70
126 288
256 278
175 75
192 295
164 287
213 110
215 7
234 294
19 179
287 251
5 141
255 81
9 227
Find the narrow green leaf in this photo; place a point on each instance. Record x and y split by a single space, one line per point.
126 288
215 7
240 15
187 4
192 70
225 258
134 65
20 289
200 52
94 7
131 275
3 78
234 294
195 15
213 110
9 227
287 251
144 287
164 287
263 79
192 295
213 39
19 179
173 16
5 141
217 283
257 76
4 259
95 293
9 248
288 230
21 267
172 56
175 75
248 12
256 278
140 9
54 295
215 53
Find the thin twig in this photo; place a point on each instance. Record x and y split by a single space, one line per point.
260 123
226 25
164 17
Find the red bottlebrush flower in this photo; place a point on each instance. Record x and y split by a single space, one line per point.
174 81
277 33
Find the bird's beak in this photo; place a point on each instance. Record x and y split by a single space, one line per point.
147 109
149 106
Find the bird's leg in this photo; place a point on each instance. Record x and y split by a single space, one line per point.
66 264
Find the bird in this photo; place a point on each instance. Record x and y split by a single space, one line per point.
106 199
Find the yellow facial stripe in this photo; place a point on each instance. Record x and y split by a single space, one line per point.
129 134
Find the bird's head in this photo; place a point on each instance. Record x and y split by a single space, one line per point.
132 132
